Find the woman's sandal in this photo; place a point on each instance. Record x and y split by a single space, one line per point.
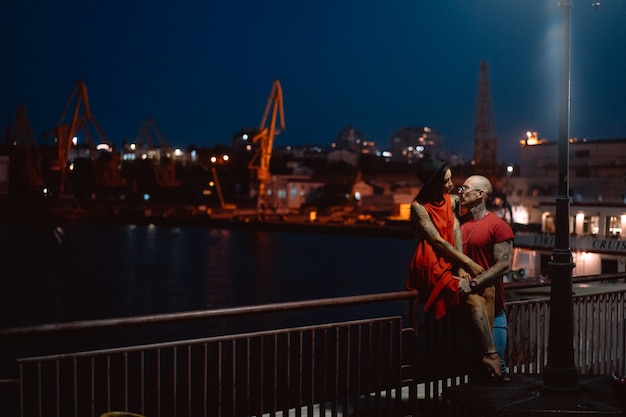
492 361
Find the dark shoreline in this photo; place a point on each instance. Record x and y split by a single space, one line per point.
287 223
403 231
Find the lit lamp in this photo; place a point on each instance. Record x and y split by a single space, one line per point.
224 158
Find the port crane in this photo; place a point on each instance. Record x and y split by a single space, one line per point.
265 138
22 138
106 167
164 164
218 186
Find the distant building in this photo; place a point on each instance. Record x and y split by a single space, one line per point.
597 174
291 192
597 223
343 155
596 240
354 141
301 152
411 143
348 139
588 160
362 189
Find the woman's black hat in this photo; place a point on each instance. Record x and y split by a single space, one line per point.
428 169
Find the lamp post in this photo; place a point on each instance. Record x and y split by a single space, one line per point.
560 376
508 211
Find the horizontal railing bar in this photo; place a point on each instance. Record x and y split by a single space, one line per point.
545 299
207 314
188 342
264 308
546 282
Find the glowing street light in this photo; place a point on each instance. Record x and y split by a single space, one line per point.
219 160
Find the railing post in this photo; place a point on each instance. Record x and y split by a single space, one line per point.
9 397
413 324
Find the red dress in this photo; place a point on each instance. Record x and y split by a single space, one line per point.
430 273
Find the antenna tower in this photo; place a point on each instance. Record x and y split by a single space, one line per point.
485 141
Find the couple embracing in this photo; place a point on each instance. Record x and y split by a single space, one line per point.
458 264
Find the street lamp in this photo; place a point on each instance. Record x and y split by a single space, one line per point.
560 376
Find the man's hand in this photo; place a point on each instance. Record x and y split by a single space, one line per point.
474 269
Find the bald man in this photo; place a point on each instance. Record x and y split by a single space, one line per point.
488 240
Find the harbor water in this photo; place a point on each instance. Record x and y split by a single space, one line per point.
87 271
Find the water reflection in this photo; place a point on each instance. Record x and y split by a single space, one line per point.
103 272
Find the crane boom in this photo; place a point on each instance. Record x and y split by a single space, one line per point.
165 165
107 172
218 187
64 133
265 138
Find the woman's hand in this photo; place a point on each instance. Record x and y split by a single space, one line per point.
462 273
474 269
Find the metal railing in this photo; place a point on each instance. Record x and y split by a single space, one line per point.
599 333
359 366
378 359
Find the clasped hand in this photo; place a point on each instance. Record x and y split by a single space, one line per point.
464 278
464 285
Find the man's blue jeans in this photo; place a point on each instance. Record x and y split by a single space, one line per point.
499 337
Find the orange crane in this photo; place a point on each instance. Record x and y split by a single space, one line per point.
261 160
218 187
165 166
107 169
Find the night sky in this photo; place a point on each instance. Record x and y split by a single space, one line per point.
203 70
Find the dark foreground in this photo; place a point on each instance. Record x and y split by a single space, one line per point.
523 397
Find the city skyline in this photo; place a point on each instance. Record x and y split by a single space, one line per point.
204 71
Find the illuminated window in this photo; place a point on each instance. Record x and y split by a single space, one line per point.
591 225
548 224
613 226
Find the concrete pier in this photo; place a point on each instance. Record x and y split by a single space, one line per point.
523 397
